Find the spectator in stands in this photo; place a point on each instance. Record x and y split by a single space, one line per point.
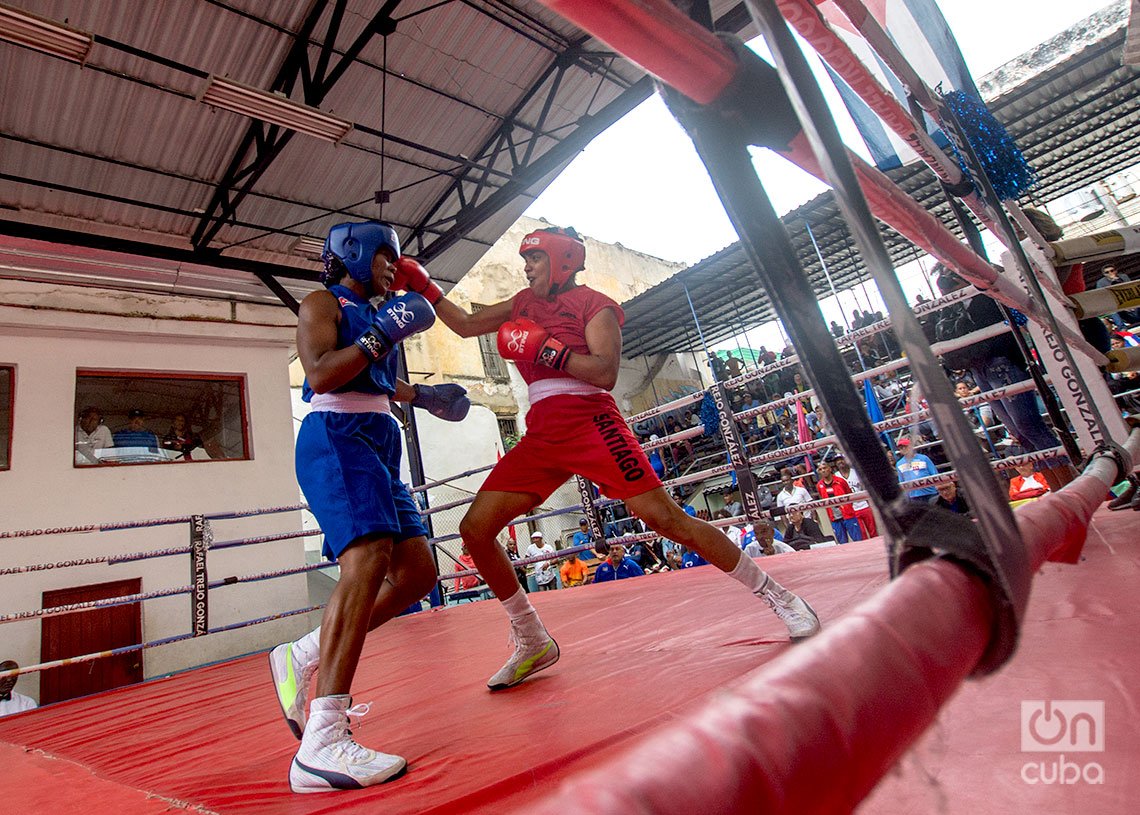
733 506
616 566
802 530
1027 483
512 549
872 357
920 299
764 542
180 437
862 508
790 493
135 433
1110 277
91 435
1072 277
836 329
979 415
10 701
545 571
992 363
691 558
912 466
582 536
887 391
949 498
643 555
574 572
843 522
464 562
858 319
732 532
735 367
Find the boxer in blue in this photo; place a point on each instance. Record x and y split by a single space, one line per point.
348 466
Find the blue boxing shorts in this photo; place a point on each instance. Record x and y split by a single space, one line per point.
348 466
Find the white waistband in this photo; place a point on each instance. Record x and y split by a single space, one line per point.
351 402
543 388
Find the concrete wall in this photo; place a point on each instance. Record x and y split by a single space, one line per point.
47 332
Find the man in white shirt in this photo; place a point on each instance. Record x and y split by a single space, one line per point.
790 494
545 572
91 435
764 542
10 701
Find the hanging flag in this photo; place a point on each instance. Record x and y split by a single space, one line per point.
875 410
803 432
921 34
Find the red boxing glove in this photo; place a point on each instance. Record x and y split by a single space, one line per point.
526 340
412 276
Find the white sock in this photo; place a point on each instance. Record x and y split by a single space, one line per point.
307 649
518 606
752 576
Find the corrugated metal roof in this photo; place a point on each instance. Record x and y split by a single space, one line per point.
119 156
1070 106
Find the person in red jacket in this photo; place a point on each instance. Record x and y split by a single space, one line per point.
1027 483
566 340
843 521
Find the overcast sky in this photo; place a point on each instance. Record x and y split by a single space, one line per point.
641 184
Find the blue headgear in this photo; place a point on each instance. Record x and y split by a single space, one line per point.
355 244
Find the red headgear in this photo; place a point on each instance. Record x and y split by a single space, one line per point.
565 249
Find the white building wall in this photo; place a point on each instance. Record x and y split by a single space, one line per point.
70 328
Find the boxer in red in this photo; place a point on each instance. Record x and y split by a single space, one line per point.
566 340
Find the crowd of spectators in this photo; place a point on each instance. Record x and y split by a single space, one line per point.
93 436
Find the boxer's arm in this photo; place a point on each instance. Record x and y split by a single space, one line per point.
405 392
485 321
326 366
600 366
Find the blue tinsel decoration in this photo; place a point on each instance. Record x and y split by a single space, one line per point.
1001 160
709 417
1019 319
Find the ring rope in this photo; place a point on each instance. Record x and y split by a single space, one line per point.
128 649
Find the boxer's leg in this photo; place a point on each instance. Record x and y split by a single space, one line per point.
664 517
534 648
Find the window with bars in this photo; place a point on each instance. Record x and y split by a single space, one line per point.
493 365
508 431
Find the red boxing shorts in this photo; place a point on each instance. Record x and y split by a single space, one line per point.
570 435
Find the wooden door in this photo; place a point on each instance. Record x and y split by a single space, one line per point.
87 632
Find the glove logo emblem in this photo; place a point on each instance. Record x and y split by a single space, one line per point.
517 341
401 314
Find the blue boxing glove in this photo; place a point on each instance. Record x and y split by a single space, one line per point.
448 401
394 322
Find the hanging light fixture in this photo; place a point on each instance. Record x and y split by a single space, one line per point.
269 107
42 34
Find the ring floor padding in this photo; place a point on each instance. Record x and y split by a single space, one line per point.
636 654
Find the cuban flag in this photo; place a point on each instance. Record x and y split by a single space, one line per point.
922 35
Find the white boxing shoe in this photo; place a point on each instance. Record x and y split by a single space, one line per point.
796 614
291 681
534 650
329 758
